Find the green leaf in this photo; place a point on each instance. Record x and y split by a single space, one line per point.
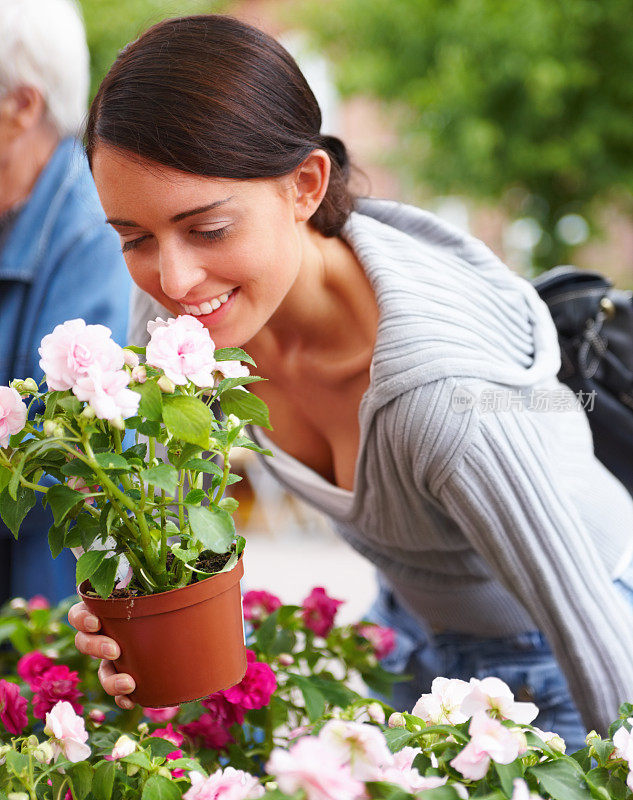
200 465
232 383
103 780
81 778
386 791
70 404
397 738
88 564
13 511
151 405
246 406
233 354
14 481
562 779
195 497
5 477
56 537
18 763
104 576
184 555
159 747
88 528
334 692
113 461
140 351
61 499
312 697
80 469
164 476
266 633
188 419
229 504
159 788
214 528
138 759
507 773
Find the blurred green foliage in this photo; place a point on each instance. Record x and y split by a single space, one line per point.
111 24
535 97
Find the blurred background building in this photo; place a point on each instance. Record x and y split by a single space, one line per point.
510 120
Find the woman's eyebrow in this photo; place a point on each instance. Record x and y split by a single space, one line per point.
126 223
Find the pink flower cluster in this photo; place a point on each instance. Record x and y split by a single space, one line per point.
183 349
224 784
85 359
319 610
49 683
12 414
228 707
382 639
257 605
335 764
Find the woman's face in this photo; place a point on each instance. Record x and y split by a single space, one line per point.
225 251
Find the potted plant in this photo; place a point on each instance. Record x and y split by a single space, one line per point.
128 443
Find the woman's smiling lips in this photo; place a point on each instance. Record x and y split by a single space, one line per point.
211 310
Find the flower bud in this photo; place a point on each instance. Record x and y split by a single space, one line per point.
54 627
96 717
376 713
32 741
17 796
4 749
19 604
30 385
166 384
593 738
164 772
557 743
142 728
44 753
49 428
88 412
139 374
397 720
233 422
118 423
285 659
132 769
130 358
271 786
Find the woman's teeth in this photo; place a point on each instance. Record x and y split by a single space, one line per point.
207 307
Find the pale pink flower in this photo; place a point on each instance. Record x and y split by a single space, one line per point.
232 369
495 697
521 791
226 784
67 731
489 740
629 780
107 394
75 349
184 350
12 414
124 746
554 740
139 374
79 485
402 773
314 767
153 324
362 747
623 742
161 714
443 705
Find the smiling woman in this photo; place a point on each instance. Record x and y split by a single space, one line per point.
401 357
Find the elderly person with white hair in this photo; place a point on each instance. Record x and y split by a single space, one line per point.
58 258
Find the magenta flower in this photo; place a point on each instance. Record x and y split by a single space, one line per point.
259 604
319 610
170 734
383 640
32 666
160 714
12 708
57 683
256 687
224 712
208 731
12 414
37 602
174 756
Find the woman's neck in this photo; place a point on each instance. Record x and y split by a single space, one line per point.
327 321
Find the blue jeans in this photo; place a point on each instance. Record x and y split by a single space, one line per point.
524 661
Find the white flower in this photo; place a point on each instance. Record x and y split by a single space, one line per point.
521 791
361 746
623 742
443 704
495 697
67 731
489 740
124 746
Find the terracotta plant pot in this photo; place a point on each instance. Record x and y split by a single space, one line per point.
179 645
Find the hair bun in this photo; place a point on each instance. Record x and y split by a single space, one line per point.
337 149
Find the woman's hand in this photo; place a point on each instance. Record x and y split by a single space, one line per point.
118 684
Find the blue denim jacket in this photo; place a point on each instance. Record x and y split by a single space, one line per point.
60 261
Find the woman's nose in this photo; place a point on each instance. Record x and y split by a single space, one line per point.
180 272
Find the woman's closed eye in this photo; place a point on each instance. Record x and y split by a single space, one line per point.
212 235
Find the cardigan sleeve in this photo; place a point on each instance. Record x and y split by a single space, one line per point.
504 494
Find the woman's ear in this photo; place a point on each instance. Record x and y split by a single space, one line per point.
311 179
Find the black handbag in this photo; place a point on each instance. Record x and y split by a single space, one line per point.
595 331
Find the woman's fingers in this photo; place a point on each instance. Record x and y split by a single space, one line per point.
97 646
116 684
82 619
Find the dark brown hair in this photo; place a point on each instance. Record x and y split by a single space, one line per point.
211 95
